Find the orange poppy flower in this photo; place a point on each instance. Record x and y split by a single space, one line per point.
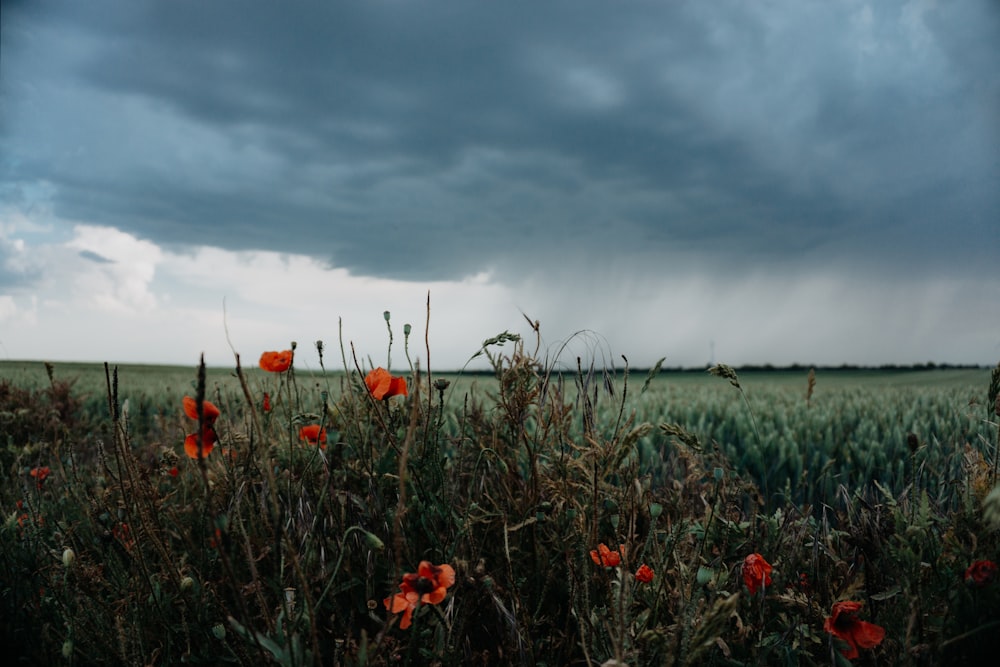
979 573
276 362
756 572
644 573
845 625
383 385
208 410
429 585
605 556
208 440
313 434
40 474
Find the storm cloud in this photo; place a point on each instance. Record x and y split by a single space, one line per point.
585 144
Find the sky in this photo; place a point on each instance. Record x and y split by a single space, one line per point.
791 181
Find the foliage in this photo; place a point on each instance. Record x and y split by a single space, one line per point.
275 549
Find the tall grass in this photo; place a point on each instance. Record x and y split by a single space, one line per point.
274 550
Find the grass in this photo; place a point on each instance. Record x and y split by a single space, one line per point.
878 488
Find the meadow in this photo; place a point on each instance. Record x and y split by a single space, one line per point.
546 512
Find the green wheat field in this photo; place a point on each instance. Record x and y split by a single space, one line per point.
544 512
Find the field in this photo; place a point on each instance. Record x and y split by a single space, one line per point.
534 514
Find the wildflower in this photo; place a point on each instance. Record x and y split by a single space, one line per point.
644 574
208 440
756 572
276 362
313 434
173 472
981 573
123 534
68 556
428 586
215 541
209 413
845 625
383 385
40 474
605 556
267 402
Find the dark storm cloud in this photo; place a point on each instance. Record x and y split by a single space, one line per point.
438 139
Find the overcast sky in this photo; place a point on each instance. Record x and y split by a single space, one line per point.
744 182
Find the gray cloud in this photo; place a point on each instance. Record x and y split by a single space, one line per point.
437 139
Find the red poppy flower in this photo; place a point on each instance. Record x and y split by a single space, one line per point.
981 573
208 410
122 533
208 440
313 434
429 585
605 556
644 574
276 362
845 625
383 385
756 572
40 474
267 402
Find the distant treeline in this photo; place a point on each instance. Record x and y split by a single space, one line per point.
791 368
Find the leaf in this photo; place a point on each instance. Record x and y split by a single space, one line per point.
885 595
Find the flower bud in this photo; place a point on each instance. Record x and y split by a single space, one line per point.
187 583
373 542
68 556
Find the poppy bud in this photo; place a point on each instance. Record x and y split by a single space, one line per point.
386 315
373 542
68 556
